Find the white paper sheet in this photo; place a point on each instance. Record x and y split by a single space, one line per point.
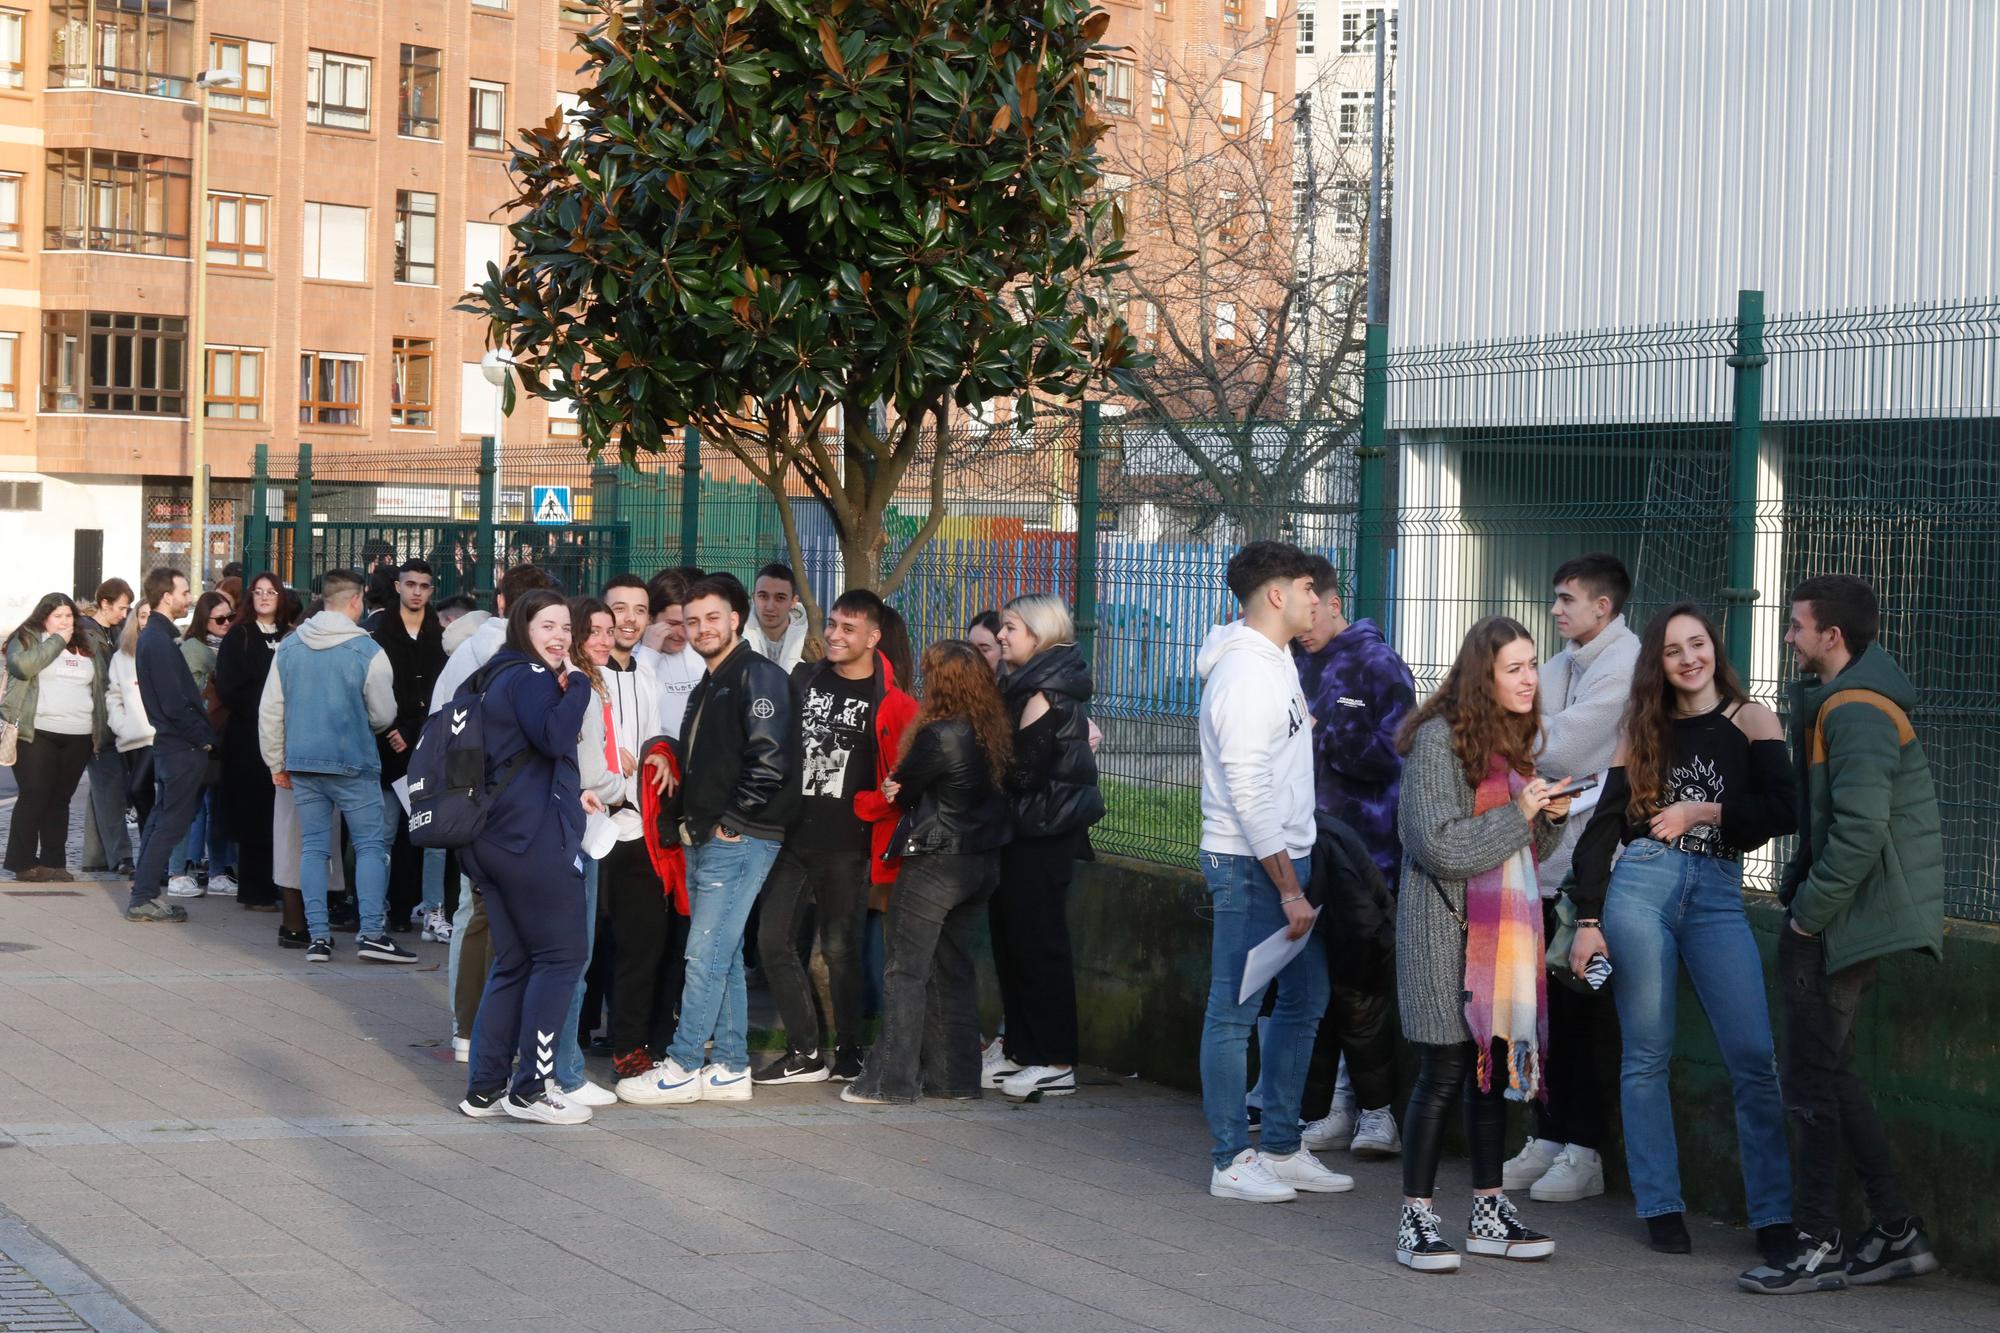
1265 960
401 786
600 835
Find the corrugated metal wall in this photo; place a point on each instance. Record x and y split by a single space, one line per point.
1577 164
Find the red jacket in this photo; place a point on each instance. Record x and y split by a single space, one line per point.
663 834
893 716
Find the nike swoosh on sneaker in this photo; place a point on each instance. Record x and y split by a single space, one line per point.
716 1082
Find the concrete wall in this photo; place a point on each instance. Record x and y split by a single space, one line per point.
1928 1044
41 544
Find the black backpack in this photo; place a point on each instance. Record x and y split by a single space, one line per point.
450 793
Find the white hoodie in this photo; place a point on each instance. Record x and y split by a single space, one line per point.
468 657
1256 747
676 675
787 652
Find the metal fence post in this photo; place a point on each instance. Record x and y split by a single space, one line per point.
690 494
256 529
486 574
1089 454
302 521
1371 527
1745 439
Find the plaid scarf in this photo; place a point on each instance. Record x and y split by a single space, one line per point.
1506 981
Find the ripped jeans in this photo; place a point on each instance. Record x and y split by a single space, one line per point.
723 881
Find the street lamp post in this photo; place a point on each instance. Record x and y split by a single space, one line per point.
495 366
204 83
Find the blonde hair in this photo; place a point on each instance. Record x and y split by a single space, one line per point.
128 634
1047 618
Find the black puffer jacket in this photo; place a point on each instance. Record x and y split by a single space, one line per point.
1053 781
739 747
955 807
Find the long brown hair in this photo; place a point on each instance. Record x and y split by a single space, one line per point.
958 683
581 609
1480 727
1648 725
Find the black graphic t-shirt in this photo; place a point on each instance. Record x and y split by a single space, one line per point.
837 760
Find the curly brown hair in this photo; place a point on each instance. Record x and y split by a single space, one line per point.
1648 725
958 683
1480 727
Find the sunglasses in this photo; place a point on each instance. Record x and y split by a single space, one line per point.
221 618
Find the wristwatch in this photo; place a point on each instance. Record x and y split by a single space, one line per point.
727 831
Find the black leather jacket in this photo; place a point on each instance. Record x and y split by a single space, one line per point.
1053 781
739 746
954 805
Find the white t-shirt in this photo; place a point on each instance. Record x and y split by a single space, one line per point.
676 675
63 702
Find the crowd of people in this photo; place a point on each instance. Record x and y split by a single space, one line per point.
612 807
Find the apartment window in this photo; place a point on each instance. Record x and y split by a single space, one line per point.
1350 208
10 210
489 4
132 202
1160 7
1115 87
10 365
1267 116
489 114
1227 214
329 389
337 90
116 363
1358 26
234 388
1306 27
416 237
1225 322
1232 13
417 95
1157 94
236 232
336 243
410 390
1301 197
484 244
1232 106
21 496
1149 326
134 46
13 40
578 13
1270 14
250 62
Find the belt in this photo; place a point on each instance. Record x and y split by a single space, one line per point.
1709 847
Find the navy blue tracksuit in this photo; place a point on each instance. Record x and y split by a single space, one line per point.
529 864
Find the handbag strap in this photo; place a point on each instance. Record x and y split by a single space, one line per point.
1445 898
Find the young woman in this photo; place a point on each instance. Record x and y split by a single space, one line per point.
242 663
1053 785
1701 777
955 755
55 695
529 864
984 634
126 712
601 777
207 840
1471 982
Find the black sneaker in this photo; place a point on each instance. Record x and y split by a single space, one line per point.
1420 1242
846 1064
1810 1263
319 951
1882 1255
1668 1233
382 949
791 1067
154 910
485 1105
1496 1229
294 939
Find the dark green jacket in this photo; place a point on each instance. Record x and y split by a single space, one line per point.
1868 874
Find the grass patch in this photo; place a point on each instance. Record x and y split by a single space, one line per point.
1149 823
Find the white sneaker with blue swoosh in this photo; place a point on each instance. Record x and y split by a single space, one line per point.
720 1083
665 1084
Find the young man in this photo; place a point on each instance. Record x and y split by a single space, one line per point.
413 642
1359 691
1584 691
1866 882
1257 835
851 721
779 632
676 666
737 753
182 742
323 751
106 845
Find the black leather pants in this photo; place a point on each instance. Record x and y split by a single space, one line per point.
1445 1074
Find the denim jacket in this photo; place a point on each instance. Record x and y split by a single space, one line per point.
346 692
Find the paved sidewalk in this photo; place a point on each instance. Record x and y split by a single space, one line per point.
228 1140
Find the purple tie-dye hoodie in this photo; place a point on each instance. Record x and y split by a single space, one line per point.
1359 691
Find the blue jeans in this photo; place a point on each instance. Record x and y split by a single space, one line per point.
433 873
1669 909
359 800
723 881
569 1051
1246 908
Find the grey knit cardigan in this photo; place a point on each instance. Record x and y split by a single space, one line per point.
1442 835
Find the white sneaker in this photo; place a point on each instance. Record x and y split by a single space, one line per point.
720 1083
437 927
549 1106
589 1094
1249 1178
222 886
1335 1130
184 886
1376 1135
1044 1079
461 1050
1303 1171
1529 1165
665 1084
994 1066
1577 1173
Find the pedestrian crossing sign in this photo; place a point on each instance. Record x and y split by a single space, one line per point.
551 504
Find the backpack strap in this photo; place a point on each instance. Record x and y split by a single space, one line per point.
1905 733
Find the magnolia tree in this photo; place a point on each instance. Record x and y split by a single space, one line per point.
773 217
